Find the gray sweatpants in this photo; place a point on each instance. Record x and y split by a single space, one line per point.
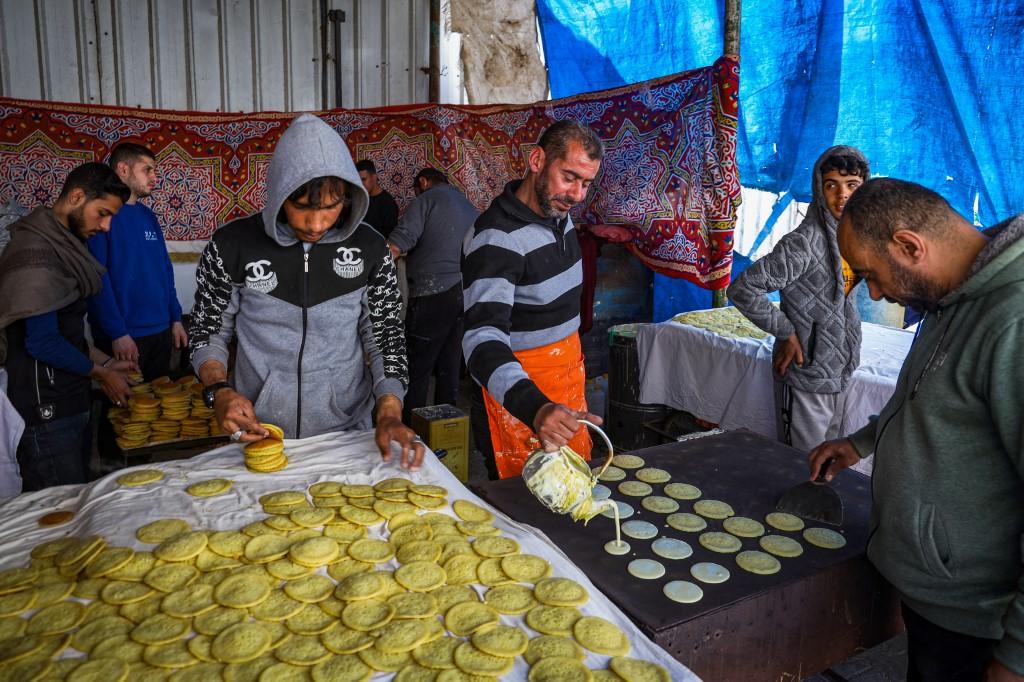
804 420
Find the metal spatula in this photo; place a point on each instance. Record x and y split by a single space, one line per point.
815 500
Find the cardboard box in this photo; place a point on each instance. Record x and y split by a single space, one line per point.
446 431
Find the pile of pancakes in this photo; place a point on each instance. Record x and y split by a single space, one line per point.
163 410
267 455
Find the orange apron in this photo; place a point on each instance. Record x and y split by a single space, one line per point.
559 373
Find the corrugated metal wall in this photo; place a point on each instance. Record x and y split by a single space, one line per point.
219 55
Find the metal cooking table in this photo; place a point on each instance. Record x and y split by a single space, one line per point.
817 610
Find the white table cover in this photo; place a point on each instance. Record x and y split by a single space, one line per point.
728 381
105 508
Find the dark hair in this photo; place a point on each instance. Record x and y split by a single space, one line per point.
846 164
432 175
367 165
555 140
129 153
317 189
882 206
95 180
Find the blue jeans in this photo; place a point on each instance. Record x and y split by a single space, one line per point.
56 452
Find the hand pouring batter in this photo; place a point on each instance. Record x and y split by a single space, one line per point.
564 483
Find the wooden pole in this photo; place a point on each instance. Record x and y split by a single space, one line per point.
732 46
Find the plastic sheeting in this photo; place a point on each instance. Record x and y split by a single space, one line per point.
927 89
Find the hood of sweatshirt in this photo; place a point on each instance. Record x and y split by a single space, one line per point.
818 209
311 149
991 270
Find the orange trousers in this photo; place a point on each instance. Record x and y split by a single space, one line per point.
558 371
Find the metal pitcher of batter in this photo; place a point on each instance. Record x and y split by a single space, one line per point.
563 482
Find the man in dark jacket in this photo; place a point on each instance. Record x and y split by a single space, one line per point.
817 328
46 277
430 236
310 294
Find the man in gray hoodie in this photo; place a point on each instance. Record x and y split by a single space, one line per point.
311 297
817 328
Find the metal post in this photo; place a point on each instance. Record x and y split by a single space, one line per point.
434 69
337 18
731 46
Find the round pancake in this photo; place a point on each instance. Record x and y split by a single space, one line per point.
617 548
780 545
720 542
646 569
653 475
689 523
683 591
641 530
709 572
671 548
741 526
659 504
713 509
625 510
784 521
826 538
682 491
758 562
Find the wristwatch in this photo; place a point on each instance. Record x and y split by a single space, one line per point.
210 392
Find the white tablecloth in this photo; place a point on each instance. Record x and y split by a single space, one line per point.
105 508
729 381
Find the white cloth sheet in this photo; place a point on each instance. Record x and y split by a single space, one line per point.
729 381
103 507
12 426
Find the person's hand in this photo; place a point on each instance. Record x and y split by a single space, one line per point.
125 366
786 353
396 252
556 424
235 413
390 428
842 453
125 349
113 380
997 672
178 336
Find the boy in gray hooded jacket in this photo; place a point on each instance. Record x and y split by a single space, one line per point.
311 296
816 329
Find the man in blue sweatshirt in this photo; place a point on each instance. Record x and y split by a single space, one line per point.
46 276
136 315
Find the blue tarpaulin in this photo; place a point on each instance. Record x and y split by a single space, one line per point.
928 89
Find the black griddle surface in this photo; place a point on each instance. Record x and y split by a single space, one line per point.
746 470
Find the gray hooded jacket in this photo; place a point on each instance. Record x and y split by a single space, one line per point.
805 266
318 329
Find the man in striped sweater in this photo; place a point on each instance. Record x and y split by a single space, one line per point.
521 278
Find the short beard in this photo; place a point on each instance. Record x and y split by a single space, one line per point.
545 199
76 221
915 291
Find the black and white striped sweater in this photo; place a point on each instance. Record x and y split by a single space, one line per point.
521 277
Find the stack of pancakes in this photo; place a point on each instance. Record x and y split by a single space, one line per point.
163 410
267 455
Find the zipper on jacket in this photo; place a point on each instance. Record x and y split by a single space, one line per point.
302 345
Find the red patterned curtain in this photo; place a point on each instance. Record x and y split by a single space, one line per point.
669 174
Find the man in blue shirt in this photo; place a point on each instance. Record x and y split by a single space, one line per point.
136 315
46 277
